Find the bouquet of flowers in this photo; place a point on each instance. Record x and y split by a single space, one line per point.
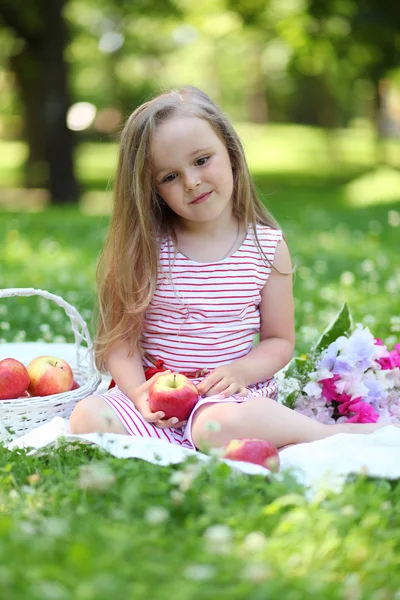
349 376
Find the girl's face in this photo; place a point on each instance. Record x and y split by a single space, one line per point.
192 169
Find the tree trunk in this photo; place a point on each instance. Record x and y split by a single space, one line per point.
58 140
26 67
378 117
42 78
256 97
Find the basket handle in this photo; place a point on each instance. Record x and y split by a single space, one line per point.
79 327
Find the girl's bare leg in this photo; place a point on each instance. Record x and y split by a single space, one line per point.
93 415
265 419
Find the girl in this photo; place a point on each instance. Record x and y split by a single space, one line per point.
193 267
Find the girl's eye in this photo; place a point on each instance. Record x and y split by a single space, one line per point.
168 178
199 162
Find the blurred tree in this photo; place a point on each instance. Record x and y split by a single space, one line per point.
253 14
370 44
42 80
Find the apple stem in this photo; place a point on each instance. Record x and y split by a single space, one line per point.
174 380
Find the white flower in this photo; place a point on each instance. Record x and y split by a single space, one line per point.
256 572
198 572
96 476
347 278
156 515
322 374
254 542
394 218
312 389
219 539
55 527
184 478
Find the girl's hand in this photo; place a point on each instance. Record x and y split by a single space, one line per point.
141 401
223 381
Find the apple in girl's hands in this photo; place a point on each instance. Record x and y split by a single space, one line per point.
259 452
49 375
14 379
173 394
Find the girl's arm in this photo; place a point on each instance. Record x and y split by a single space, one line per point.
277 336
128 373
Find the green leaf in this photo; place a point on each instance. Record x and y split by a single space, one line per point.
290 400
341 325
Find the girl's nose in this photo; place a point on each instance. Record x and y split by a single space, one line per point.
192 180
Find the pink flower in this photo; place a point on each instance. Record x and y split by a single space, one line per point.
346 403
391 360
329 391
363 413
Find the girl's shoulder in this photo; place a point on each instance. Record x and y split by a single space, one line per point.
266 233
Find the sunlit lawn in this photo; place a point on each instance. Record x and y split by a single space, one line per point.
131 529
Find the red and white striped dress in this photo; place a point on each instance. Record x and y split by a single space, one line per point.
202 316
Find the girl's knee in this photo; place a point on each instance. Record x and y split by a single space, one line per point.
93 415
216 425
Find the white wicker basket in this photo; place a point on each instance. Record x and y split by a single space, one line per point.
18 417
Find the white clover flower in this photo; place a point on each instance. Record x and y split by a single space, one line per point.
256 572
155 515
219 539
197 572
254 542
55 527
394 324
5 326
20 336
367 266
348 510
394 218
95 477
184 478
51 590
27 528
177 497
347 278
369 320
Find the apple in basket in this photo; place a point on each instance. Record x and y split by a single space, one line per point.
49 375
14 379
174 394
259 452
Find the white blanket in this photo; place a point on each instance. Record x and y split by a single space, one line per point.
322 464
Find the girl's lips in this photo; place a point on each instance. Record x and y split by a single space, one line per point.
202 198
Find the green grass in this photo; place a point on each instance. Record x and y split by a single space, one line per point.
76 523
148 533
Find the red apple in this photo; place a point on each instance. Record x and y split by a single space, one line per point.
260 452
14 379
49 375
174 394
75 385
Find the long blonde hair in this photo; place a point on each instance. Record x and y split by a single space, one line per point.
128 265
